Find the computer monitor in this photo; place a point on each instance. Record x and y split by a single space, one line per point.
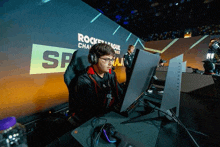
171 95
143 68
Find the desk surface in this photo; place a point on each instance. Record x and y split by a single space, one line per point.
196 113
144 132
193 114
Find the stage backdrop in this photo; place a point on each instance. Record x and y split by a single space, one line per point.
194 49
38 38
37 41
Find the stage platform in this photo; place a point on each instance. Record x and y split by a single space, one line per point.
199 112
200 116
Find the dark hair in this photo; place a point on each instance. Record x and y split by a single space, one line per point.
129 47
101 49
214 39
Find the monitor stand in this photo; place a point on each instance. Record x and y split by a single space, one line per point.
133 106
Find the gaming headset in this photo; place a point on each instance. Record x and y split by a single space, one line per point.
92 57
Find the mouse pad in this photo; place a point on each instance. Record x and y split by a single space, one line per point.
145 132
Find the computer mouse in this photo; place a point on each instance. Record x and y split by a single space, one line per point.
107 132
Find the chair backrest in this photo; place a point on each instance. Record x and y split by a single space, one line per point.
77 65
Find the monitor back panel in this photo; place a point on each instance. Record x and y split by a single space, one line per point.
144 66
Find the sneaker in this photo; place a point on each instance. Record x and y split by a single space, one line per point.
160 92
150 91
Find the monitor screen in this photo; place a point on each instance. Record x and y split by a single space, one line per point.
143 68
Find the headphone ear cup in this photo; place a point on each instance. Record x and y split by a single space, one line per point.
93 59
90 58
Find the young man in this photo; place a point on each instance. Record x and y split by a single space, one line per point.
97 90
214 45
210 65
128 59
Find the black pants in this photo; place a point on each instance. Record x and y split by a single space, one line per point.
128 75
217 69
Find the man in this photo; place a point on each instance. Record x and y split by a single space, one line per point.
214 45
210 64
96 90
128 59
161 63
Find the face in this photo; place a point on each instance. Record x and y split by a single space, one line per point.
105 63
210 43
132 49
161 64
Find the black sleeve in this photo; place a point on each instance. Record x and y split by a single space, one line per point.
216 57
115 82
126 61
118 98
85 97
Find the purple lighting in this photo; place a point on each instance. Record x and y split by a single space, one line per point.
107 137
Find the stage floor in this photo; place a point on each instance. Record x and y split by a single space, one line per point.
201 116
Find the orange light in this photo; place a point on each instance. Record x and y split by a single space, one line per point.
188 35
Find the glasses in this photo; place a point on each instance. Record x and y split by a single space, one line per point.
107 59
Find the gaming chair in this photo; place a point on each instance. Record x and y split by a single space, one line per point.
77 66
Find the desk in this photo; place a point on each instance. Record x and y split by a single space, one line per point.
196 113
145 132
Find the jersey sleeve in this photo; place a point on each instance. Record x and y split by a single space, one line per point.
84 99
126 62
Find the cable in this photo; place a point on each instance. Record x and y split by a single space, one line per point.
97 118
183 124
176 119
100 131
93 121
184 128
